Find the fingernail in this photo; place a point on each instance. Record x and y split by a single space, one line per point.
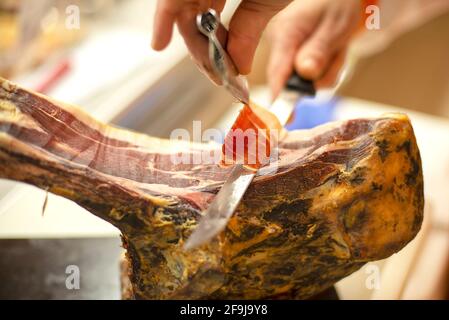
153 44
309 66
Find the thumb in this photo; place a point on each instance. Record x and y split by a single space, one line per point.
245 30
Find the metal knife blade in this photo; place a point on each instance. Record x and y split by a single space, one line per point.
217 215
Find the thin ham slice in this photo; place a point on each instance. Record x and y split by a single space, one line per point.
252 137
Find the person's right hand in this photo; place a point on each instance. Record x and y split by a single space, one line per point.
311 36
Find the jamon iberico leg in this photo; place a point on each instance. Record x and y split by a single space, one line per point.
343 194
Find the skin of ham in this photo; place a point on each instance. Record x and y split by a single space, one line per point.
341 194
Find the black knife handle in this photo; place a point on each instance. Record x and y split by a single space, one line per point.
298 83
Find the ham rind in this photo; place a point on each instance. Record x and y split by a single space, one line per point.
338 196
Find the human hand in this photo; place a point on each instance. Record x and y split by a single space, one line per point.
245 28
311 36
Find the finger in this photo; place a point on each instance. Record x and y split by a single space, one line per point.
167 12
204 5
245 30
331 75
218 5
186 22
280 66
164 20
332 34
186 19
285 38
196 44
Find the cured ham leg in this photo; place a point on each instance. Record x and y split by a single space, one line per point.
343 194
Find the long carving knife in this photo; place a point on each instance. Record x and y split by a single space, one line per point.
217 215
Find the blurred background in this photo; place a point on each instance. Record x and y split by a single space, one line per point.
96 54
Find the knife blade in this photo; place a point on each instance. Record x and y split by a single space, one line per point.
216 216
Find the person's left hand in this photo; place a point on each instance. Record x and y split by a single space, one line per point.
245 28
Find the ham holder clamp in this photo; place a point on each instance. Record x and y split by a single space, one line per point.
343 194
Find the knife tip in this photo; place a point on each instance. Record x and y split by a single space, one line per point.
198 238
191 244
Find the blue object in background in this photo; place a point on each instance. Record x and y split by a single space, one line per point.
310 112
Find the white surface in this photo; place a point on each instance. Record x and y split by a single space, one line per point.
21 217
